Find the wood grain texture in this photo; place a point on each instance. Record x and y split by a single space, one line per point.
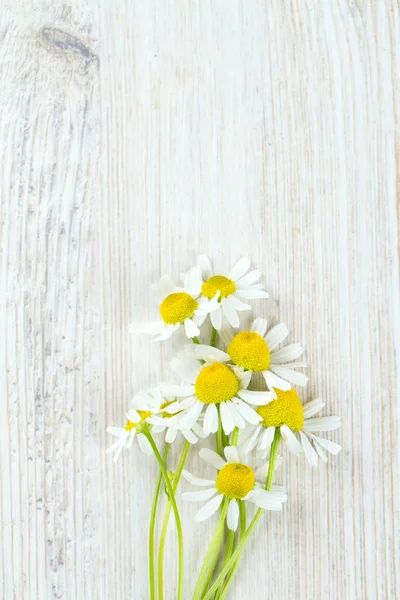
135 135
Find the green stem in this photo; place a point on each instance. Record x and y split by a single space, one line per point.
242 512
231 534
213 336
174 508
195 340
212 553
166 519
152 526
214 559
239 549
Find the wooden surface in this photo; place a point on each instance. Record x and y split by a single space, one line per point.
135 135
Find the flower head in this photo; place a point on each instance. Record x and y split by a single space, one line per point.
178 306
297 427
230 290
212 385
236 480
256 351
145 405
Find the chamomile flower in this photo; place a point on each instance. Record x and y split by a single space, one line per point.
211 385
166 422
256 350
231 289
178 306
235 481
297 426
144 406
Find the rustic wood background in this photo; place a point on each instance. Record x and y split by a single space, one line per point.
133 136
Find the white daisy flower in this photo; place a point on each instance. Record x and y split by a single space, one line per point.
166 422
209 383
144 406
230 290
235 481
256 350
297 426
178 306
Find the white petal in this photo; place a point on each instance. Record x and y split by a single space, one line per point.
291 440
201 495
322 424
133 416
191 329
230 313
240 269
231 454
163 288
309 451
232 518
208 353
205 266
276 336
170 436
174 390
197 480
266 438
248 279
216 318
186 367
209 509
189 436
311 408
289 375
237 417
190 417
119 431
210 423
248 445
284 355
179 405
259 326
226 334
247 412
252 294
256 398
244 377
267 500
228 424
262 472
144 444
331 447
238 304
212 458
320 452
273 381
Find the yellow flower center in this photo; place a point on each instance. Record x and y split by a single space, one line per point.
216 383
177 307
144 414
249 350
235 480
225 286
287 409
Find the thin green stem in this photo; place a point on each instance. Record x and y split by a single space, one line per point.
214 559
174 508
152 526
161 549
213 336
235 436
239 549
195 340
209 562
242 513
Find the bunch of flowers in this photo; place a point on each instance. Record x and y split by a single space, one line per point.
211 397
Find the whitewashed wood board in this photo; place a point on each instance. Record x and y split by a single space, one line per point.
135 135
